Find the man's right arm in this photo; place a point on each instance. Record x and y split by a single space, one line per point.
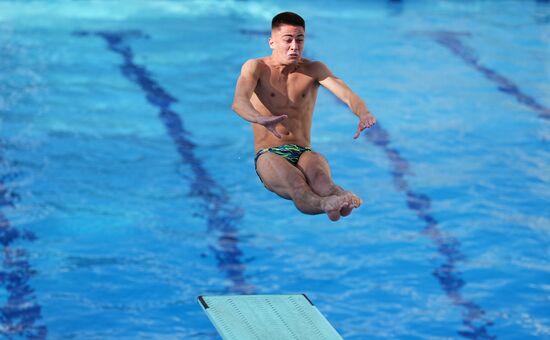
250 74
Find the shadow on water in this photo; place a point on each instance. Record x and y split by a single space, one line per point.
20 312
221 214
473 316
452 41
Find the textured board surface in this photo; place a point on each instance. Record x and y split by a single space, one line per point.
263 317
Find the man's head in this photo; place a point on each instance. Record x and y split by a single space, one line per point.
287 37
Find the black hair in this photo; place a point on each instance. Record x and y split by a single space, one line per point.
287 18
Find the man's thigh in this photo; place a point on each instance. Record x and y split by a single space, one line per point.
278 175
313 164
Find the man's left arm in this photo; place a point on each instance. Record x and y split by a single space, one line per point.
345 94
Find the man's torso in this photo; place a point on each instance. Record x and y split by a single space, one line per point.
292 94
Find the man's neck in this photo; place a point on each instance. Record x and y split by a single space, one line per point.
283 68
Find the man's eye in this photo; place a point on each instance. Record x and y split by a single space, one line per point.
300 41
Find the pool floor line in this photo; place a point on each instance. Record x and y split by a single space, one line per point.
447 274
21 311
221 214
452 42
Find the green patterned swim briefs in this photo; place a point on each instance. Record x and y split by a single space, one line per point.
290 152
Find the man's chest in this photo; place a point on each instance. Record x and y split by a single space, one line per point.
293 90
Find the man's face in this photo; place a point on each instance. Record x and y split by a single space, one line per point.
287 43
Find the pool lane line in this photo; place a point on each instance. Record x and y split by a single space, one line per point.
452 42
447 274
21 311
222 215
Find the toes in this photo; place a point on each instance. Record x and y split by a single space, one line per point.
345 207
351 201
334 215
345 211
354 200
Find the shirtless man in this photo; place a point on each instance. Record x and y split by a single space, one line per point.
277 94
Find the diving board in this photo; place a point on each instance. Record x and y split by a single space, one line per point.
267 317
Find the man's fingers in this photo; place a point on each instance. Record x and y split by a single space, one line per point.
278 119
364 123
358 133
265 121
372 122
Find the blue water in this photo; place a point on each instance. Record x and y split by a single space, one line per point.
127 185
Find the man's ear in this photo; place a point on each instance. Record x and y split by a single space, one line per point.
271 42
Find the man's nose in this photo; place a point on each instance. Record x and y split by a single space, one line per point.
293 45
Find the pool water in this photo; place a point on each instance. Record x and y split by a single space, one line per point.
127 185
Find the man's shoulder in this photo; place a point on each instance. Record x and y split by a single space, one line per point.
255 62
312 64
254 65
314 68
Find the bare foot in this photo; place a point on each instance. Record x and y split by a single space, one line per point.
346 211
332 205
353 202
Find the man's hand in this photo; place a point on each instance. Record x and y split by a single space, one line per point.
366 120
270 123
